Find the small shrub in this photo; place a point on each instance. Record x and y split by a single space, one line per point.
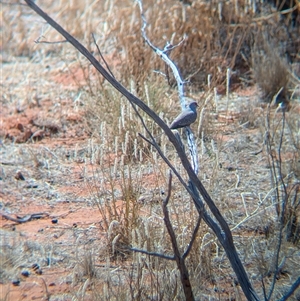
270 70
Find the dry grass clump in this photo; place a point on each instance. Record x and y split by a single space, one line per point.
284 163
9 257
282 240
18 254
271 71
112 133
211 44
218 36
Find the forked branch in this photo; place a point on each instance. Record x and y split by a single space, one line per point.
220 227
180 260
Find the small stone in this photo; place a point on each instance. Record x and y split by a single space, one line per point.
20 127
16 282
19 176
35 266
31 185
54 221
25 273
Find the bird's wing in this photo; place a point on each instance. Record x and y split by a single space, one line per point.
184 119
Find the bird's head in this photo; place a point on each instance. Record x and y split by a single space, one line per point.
192 105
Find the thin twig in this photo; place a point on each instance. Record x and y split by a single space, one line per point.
291 291
282 213
184 275
220 228
190 245
163 54
263 287
103 59
152 254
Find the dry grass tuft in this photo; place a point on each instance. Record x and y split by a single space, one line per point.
270 70
219 35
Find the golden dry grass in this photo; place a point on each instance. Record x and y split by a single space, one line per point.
123 175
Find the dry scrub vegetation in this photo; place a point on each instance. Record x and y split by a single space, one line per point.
64 126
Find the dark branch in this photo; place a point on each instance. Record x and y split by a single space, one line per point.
184 275
186 253
103 59
223 232
293 288
152 254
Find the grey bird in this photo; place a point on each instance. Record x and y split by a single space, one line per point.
186 117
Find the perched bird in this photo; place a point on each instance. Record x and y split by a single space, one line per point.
186 117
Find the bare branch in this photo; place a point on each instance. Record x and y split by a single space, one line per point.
293 288
103 59
282 211
152 254
186 253
222 229
184 275
170 47
169 164
163 54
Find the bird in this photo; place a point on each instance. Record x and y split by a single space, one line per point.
186 117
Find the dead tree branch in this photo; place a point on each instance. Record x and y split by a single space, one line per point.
163 256
220 227
180 260
163 54
187 251
291 291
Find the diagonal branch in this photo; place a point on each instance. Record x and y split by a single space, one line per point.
152 254
187 251
221 229
103 59
184 275
293 288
